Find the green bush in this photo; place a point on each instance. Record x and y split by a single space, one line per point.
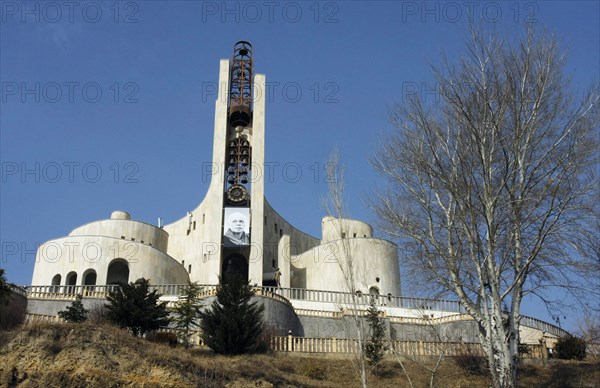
186 313
75 313
135 307
233 324
375 346
570 348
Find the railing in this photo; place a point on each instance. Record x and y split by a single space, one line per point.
38 318
543 326
68 292
433 321
364 299
341 345
268 292
17 290
284 295
100 292
400 348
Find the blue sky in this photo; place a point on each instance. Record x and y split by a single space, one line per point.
109 105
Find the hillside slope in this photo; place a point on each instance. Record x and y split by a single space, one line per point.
87 355
104 356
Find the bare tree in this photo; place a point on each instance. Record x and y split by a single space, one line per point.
589 330
495 188
432 368
335 208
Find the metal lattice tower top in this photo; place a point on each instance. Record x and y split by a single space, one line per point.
240 93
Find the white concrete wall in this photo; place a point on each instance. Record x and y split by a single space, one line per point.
375 262
334 229
257 186
200 247
282 241
126 229
81 254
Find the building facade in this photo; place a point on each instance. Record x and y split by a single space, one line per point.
234 229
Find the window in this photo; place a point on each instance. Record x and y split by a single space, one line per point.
374 293
190 268
273 263
203 218
280 232
89 280
133 239
343 235
118 272
56 280
123 237
354 235
276 228
56 283
71 282
194 225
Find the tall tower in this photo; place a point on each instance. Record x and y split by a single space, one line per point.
243 183
237 201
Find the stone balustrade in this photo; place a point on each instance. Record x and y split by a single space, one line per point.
284 295
345 346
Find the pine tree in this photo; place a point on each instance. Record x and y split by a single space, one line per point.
233 324
4 289
74 313
187 312
135 307
376 346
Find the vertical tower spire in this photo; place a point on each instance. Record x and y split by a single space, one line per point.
240 93
240 117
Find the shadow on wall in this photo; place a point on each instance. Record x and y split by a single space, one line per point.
298 277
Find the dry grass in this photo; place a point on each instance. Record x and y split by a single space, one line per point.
91 355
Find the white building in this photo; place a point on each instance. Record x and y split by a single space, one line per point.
235 231
198 247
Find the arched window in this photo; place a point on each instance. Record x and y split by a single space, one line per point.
118 272
374 293
89 280
55 283
71 282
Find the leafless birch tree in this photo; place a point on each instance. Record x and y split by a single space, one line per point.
335 208
494 191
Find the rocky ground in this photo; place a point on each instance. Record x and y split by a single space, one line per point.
86 355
